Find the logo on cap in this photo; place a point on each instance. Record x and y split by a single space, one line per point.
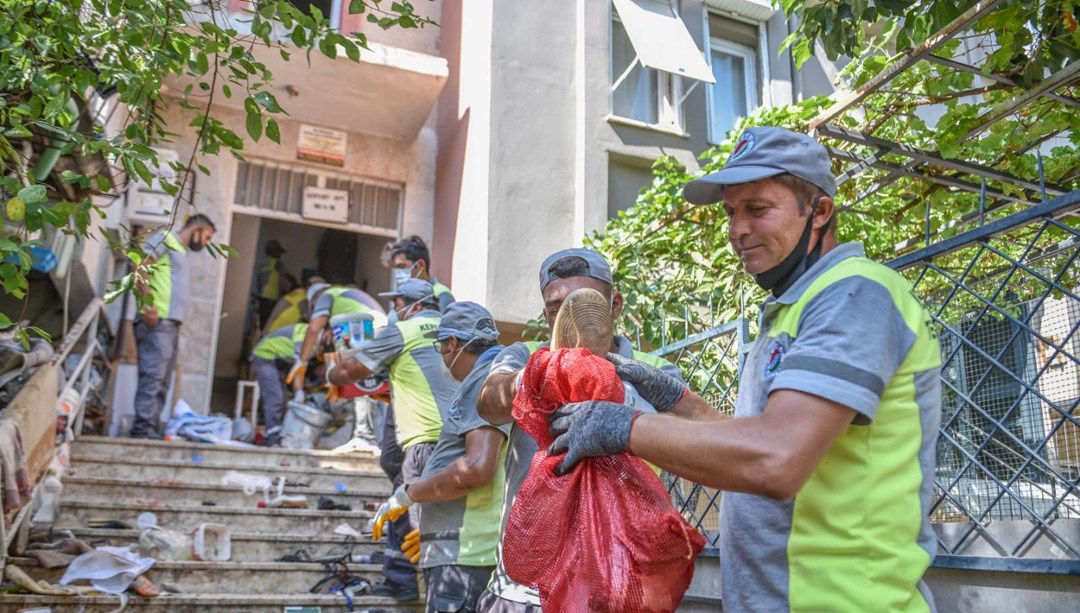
744 146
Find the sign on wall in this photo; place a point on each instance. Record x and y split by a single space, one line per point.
323 204
318 144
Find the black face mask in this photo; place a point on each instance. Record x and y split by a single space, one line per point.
782 276
195 246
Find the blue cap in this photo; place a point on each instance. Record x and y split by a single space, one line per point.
466 321
761 153
412 290
596 266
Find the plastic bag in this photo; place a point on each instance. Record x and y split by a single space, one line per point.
605 537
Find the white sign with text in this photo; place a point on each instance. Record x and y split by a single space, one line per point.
323 204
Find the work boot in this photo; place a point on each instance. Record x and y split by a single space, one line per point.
401 595
584 321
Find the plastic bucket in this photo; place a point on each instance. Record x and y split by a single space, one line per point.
212 542
303 425
351 329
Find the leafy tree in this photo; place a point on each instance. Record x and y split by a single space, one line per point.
60 56
672 261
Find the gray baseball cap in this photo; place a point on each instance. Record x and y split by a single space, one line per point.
413 290
597 266
466 321
761 153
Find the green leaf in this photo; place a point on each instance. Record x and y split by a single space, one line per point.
16 209
32 194
202 63
267 100
5 322
272 131
356 7
254 124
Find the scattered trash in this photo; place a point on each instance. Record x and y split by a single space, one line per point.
166 545
340 487
303 425
327 504
242 430
281 500
145 520
144 587
109 569
208 503
215 429
108 524
369 558
51 491
249 482
23 580
212 542
301 555
172 588
196 458
345 529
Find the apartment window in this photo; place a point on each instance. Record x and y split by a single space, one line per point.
734 94
734 61
651 53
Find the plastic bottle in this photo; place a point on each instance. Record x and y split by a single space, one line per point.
51 491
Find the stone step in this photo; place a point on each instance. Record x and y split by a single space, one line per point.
205 603
210 473
233 577
253 546
85 487
186 450
76 513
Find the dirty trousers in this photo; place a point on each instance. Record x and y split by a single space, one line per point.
157 359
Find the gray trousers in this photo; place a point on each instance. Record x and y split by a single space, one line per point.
157 360
399 572
364 419
453 588
272 393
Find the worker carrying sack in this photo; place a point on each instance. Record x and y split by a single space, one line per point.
604 537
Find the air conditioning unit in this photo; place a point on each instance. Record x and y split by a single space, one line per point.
756 10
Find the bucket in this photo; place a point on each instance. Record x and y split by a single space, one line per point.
351 329
212 542
303 425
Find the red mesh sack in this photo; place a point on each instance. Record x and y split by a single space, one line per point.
605 537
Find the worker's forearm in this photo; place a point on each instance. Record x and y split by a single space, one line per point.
496 402
455 481
472 471
737 455
311 338
694 407
349 370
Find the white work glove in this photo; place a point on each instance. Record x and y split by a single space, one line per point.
394 507
299 396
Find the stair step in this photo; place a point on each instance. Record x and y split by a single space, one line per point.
210 473
206 603
76 513
230 577
184 450
85 487
254 546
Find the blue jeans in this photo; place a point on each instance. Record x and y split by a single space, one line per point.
157 360
272 394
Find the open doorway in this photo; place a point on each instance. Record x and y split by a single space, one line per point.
340 256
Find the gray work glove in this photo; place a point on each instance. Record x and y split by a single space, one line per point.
656 386
589 429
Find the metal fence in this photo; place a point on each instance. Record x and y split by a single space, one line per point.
1005 300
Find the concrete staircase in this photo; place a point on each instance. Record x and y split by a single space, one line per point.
117 479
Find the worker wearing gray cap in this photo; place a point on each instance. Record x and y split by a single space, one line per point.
421 394
828 464
461 490
561 274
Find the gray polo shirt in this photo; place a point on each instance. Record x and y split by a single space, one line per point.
463 531
522 447
856 536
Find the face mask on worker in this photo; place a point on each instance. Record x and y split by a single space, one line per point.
404 312
782 276
402 275
196 244
448 371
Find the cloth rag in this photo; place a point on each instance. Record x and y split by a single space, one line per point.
109 569
13 471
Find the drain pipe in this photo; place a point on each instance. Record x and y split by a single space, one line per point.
796 75
55 147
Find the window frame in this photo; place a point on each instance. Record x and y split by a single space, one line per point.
750 75
669 88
